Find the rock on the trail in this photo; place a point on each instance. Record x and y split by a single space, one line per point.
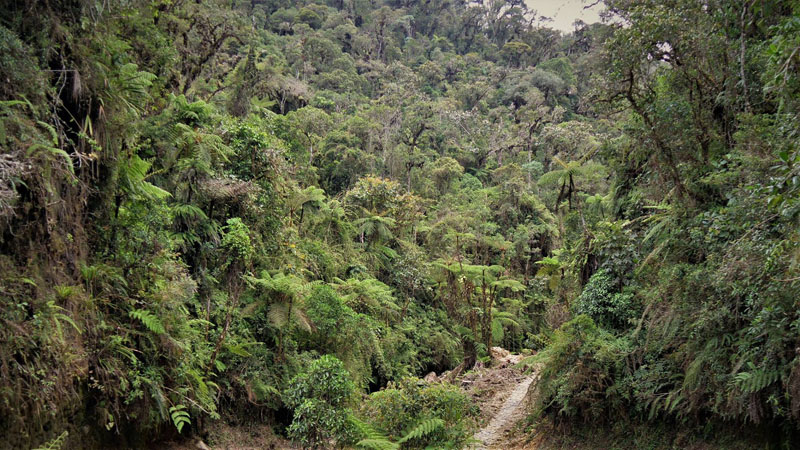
504 358
500 353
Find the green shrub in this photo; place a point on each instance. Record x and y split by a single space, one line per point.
412 406
326 310
319 398
605 306
536 341
579 369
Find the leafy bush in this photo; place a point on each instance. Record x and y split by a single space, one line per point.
578 369
410 406
326 310
319 398
605 306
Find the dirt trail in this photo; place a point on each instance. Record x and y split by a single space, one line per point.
512 411
501 391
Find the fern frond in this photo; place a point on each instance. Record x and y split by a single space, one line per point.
497 331
50 130
56 443
52 151
374 439
302 319
180 416
189 212
149 320
278 315
755 380
238 350
423 429
377 444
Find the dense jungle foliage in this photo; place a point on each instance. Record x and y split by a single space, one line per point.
284 211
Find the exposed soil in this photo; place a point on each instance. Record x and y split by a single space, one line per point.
226 437
511 412
502 392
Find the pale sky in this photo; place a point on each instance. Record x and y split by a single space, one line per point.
564 12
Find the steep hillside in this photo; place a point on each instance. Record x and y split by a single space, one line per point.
229 213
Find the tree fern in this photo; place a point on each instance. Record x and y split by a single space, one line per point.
548 266
497 331
301 319
278 315
310 198
190 113
375 227
188 213
132 176
130 87
506 318
508 283
369 294
464 332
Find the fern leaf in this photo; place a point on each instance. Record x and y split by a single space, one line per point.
55 444
366 429
238 350
180 416
53 151
302 319
278 315
497 331
756 380
149 320
423 429
50 130
377 444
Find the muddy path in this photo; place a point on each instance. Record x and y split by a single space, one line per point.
501 390
512 411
